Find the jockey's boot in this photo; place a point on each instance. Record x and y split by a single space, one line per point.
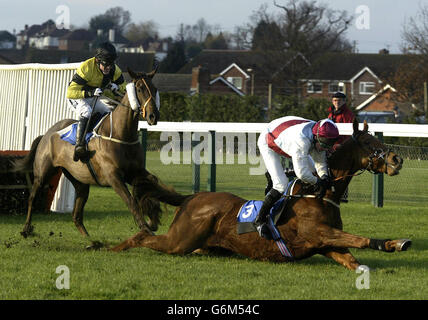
261 220
290 173
80 148
269 183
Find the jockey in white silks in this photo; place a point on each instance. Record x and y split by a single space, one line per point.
305 142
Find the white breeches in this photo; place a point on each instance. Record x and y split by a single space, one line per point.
273 164
83 107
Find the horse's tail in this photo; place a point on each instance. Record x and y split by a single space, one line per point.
149 192
151 187
26 163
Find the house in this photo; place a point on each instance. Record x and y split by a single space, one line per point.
79 39
224 71
359 76
7 40
383 106
45 36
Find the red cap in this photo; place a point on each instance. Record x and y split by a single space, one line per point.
326 131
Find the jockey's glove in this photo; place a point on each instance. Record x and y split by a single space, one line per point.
114 87
98 92
321 186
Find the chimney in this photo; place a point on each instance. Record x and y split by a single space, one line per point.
384 51
200 79
111 35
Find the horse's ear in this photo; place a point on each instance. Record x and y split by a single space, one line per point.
355 126
152 74
132 74
366 126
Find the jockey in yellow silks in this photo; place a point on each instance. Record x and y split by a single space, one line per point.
95 76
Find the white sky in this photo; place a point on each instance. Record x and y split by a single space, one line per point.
386 17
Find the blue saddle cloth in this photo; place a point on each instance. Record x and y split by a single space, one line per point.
69 133
248 213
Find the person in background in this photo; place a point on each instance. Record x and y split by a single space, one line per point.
339 112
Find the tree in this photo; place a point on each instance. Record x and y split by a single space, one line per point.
175 58
114 18
289 40
415 33
215 42
142 31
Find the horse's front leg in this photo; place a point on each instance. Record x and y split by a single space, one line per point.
343 257
121 189
322 236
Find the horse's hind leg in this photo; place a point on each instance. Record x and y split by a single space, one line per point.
41 176
28 228
186 234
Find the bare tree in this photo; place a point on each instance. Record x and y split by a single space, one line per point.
142 31
415 33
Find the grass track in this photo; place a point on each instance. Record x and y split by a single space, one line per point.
28 265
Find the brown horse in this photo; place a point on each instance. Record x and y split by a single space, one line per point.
116 158
308 225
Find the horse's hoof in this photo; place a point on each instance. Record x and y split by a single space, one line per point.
28 231
403 244
95 245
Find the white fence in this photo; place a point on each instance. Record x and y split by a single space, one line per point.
32 99
388 130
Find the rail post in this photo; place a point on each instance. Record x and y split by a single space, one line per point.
212 169
377 189
196 168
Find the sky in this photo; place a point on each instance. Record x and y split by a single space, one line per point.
377 24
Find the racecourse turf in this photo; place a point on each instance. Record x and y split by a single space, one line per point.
28 267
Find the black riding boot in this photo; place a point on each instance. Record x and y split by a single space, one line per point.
80 148
260 222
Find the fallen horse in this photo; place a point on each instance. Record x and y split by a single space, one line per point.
308 226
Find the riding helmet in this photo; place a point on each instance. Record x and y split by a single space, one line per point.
106 53
326 132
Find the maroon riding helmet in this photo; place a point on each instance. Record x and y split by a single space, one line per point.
326 133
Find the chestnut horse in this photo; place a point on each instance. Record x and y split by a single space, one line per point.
116 158
308 226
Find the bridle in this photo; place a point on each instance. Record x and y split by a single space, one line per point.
141 109
375 154
144 107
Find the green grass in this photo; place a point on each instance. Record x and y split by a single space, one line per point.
28 265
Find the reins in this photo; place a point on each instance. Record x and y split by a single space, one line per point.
142 110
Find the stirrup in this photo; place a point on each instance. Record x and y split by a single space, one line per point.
264 231
80 153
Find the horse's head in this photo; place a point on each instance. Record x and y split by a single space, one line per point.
374 155
146 97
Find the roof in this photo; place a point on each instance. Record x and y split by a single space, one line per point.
79 34
6 36
344 66
172 82
218 60
228 84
